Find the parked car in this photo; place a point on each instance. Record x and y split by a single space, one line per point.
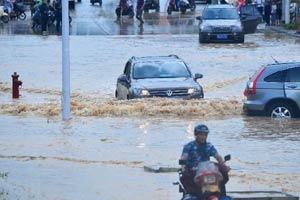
274 90
250 18
158 76
222 22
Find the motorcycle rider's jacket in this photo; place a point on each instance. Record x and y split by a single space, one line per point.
198 153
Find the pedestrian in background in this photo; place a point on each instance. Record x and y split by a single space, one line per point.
273 13
139 11
297 12
58 15
260 7
278 12
267 9
44 9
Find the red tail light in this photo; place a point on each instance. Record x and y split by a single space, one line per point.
251 87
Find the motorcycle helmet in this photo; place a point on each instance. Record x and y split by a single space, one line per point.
201 128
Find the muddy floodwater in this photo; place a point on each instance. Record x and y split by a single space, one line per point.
101 152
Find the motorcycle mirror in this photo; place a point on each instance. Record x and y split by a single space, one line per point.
227 157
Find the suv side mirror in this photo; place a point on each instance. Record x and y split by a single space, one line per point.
123 78
227 157
199 18
197 76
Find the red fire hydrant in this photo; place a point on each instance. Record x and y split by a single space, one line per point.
15 85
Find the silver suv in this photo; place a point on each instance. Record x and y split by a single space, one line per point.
274 90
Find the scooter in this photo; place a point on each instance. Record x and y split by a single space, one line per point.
18 11
208 179
36 18
128 10
151 5
3 15
182 6
96 1
187 4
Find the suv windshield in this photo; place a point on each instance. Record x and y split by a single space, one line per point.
160 70
220 13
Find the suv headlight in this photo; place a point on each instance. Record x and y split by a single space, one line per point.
191 91
145 93
141 92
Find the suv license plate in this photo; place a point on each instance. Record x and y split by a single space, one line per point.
222 36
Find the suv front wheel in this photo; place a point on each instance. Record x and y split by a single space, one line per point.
281 110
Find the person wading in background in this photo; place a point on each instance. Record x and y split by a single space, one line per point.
139 11
298 17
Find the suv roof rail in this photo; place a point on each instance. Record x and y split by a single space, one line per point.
173 55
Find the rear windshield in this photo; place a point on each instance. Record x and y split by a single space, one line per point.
220 13
160 70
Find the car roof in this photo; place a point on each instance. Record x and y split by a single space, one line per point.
286 64
155 58
220 6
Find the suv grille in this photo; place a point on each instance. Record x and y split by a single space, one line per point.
222 29
171 92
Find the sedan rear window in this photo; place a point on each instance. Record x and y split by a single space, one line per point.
160 70
220 13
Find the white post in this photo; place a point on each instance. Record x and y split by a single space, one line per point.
287 12
65 61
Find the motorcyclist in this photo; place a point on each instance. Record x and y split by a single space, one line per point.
199 150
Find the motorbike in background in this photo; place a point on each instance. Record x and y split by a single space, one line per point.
208 179
37 19
187 4
128 10
181 6
96 1
3 15
151 5
18 11
292 12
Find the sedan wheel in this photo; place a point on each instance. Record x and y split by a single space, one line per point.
281 110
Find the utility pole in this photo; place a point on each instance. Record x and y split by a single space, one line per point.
286 7
65 61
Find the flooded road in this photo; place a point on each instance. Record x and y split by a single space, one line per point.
103 158
101 152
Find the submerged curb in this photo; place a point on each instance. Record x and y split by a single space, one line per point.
280 29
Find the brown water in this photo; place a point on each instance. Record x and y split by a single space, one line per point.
90 158
101 152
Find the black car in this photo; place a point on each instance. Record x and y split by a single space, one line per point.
250 18
158 76
222 22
